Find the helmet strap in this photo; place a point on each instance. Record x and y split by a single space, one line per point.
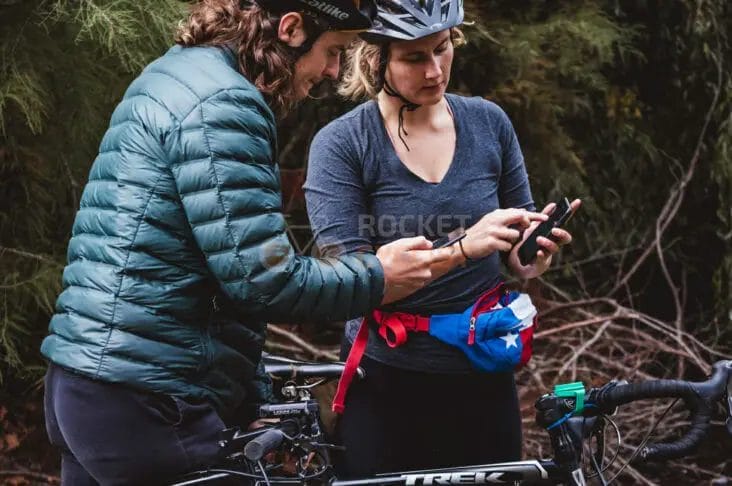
382 83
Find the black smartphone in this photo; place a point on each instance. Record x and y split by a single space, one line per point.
451 238
560 215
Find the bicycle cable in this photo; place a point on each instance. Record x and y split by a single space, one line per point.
620 440
264 472
598 470
644 441
233 472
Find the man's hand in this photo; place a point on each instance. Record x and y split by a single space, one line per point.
406 264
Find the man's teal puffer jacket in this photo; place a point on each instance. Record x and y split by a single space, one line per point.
179 253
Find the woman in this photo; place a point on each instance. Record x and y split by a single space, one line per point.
417 161
179 253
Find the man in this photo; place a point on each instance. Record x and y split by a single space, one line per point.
179 255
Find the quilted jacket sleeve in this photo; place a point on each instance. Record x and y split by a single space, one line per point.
259 392
229 185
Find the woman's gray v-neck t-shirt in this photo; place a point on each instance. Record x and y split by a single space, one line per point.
360 196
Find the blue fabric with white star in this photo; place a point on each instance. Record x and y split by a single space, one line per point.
498 344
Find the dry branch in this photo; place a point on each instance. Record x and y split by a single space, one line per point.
314 351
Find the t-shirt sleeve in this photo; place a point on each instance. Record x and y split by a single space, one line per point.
335 192
514 190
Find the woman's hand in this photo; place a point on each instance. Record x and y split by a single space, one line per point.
498 231
547 247
407 266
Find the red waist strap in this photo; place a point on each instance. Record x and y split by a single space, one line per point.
393 327
354 358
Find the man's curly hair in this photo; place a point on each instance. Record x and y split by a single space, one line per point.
252 32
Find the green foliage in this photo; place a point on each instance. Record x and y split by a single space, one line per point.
547 68
26 91
63 66
609 98
130 31
29 290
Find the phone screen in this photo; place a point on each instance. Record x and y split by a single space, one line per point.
528 249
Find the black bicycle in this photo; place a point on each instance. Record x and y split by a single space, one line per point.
575 419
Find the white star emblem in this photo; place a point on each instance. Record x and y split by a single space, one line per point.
510 340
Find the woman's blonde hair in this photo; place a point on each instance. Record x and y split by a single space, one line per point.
263 59
361 72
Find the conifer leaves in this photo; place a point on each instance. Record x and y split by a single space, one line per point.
609 98
25 90
64 64
548 67
131 31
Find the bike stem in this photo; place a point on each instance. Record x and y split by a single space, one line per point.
553 414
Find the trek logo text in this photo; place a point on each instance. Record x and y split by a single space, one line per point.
465 477
328 9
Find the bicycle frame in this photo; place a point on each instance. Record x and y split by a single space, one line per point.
528 472
519 472
569 425
523 472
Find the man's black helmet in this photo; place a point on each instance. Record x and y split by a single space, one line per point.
413 19
344 15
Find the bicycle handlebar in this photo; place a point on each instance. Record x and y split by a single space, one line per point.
325 370
287 368
699 398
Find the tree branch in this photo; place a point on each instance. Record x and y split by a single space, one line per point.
35 256
292 337
669 210
46 478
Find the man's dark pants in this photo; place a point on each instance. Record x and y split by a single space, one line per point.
110 434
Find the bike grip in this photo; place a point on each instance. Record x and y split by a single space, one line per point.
701 412
263 444
685 445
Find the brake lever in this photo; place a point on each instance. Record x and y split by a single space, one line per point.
599 435
582 429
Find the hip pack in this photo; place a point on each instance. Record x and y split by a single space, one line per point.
495 333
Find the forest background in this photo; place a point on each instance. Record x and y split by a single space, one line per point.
624 103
